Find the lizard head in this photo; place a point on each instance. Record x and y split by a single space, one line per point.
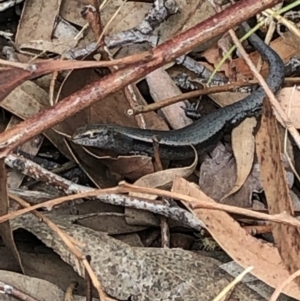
93 135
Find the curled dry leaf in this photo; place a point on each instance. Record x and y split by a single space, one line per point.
111 223
160 179
129 167
212 55
290 40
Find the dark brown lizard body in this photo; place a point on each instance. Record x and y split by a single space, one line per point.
202 134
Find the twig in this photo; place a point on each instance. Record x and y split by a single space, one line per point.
71 244
195 203
108 196
167 102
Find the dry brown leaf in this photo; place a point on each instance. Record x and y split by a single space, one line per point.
70 11
161 87
226 98
287 238
26 100
34 100
37 20
243 145
289 101
53 33
216 53
218 174
95 170
286 52
36 288
213 56
58 47
291 39
129 167
243 248
191 13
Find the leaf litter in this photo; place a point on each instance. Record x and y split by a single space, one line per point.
113 232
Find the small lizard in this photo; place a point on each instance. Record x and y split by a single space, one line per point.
202 134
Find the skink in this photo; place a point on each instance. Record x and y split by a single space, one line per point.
202 134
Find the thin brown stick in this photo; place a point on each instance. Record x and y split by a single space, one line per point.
169 101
